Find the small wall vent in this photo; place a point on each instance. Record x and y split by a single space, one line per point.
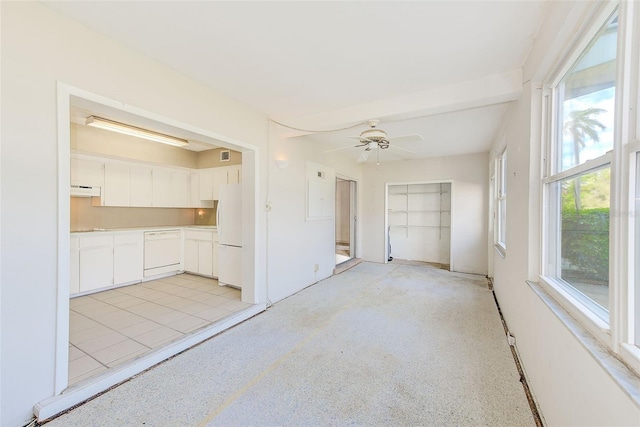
225 155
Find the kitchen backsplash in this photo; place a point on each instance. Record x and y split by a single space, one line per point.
84 216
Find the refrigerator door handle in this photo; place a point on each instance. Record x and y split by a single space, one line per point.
218 216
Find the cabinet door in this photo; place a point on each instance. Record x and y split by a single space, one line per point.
161 188
96 268
205 184
194 190
220 177
87 172
191 256
116 184
235 175
127 258
214 257
74 261
205 258
140 186
180 189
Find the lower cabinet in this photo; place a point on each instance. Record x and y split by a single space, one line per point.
74 267
200 249
96 262
127 258
105 259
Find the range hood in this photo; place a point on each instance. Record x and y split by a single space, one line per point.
84 191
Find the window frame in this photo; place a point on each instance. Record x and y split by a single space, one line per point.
500 226
595 319
621 334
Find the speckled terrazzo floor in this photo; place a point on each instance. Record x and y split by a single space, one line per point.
379 344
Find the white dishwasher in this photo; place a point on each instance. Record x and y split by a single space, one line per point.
161 252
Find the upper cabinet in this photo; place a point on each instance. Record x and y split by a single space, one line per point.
88 173
116 184
161 188
212 179
138 185
180 190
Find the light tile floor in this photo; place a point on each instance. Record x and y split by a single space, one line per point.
111 327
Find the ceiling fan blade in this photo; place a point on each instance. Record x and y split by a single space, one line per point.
364 156
407 138
395 147
345 148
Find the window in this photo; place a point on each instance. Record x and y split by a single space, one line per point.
636 219
578 183
501 202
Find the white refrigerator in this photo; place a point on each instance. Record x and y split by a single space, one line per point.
229 222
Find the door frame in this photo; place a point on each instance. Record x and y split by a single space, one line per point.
353 215
254 284
452 216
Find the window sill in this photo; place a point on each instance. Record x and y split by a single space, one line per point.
501 250
621 374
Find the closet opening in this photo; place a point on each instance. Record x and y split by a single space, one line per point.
418 222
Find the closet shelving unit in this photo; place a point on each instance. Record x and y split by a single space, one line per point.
419 206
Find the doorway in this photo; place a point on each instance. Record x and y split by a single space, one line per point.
253 291
418 218
345 233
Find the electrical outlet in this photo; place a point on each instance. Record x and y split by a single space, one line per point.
316 267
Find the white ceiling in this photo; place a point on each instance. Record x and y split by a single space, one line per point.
323 65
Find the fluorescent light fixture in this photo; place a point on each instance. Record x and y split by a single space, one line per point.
111 125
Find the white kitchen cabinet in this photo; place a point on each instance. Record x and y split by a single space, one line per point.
140 186
88 173
220 177
161 188
234 174
74 266
180 194
205 187
194 191
116 184
214 268
199 252
96 262
191 255
205 258
210 180
127 257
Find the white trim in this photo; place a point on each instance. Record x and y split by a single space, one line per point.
61 372
451 217
89 388
251 292
588 166
577 309
583 38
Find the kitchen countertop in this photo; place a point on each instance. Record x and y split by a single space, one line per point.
160 227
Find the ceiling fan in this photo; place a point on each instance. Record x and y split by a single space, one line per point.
377 138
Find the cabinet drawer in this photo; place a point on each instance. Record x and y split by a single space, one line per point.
204 235
96 241
127 238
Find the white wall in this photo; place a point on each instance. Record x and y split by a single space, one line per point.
469 204
40 48
295 244
568 384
